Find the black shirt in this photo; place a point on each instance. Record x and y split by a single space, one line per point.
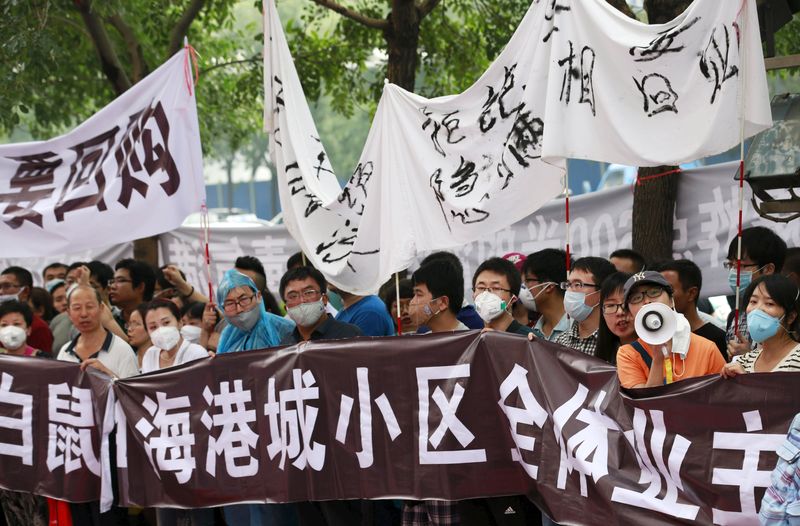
518 328
711 332
330 329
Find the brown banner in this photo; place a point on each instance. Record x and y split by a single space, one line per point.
452 416
51 417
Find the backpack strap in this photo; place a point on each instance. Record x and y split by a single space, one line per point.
640 349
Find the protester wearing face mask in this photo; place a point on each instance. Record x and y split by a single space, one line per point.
642 365
542 273
250 326
518 309
438 294
773 304
15 328
19 507
138 336
466 314
616 323
16 284
495 285
192 320
582 303
304 290
763 253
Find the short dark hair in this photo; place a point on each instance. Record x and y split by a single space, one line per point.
689 274
41 299
389 295
442 279
301 273
297 260
7 307
792 261
762 245
629 253
24 277
141 273
253 264
600 268
142 310
607 342
159 303
57 264
784 293
100 271
75 264
503 267
194 309
446 256
162 280
549 264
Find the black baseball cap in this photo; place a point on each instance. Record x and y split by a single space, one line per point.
647 277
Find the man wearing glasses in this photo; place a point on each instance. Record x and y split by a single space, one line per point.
133 284
642 365
495 286
304 290
582 301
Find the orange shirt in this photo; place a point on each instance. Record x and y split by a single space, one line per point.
703 358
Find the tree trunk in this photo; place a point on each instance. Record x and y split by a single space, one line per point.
654 199
402 39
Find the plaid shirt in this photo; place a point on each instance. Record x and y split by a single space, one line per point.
731 335
781 503
431 513
572 339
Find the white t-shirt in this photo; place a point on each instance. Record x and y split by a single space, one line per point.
187 352
115 354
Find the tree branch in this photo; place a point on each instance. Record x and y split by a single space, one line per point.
180 29
373 23
134 47
253 59
109 62
622 6
426 7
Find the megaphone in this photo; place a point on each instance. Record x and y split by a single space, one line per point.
655 324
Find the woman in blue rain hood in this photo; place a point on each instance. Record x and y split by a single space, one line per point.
250 326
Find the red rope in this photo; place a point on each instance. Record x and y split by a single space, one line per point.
205 232
567 225
189 62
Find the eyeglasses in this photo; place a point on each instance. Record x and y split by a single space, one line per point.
309 294
613 308
577 286
731 264
490 290
243 302
118 281
638 297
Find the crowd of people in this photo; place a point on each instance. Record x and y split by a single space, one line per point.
135 319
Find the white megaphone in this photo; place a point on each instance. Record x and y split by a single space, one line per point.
655 324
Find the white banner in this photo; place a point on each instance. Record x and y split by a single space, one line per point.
706 219
133 170
577 80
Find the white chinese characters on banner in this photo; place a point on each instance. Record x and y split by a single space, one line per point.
168 437
471 164
22 426
132 170
236 441
72 422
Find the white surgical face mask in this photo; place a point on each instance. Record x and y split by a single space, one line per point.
191 333
13 337
489 306
245 320
11 297
165 338
306 314
527 297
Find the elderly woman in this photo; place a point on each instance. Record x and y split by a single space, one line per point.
251 327
772 321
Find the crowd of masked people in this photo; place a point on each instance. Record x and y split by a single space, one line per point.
134 319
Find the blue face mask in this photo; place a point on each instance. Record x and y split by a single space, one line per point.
575 305
745 279
761 325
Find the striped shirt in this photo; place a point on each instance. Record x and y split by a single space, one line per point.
790 362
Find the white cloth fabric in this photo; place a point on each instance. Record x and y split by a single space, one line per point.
186 353
120 358
577 79
132 170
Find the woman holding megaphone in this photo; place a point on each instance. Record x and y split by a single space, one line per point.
665 350
772 309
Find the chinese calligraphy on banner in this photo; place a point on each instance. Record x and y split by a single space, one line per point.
133 170
451 417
